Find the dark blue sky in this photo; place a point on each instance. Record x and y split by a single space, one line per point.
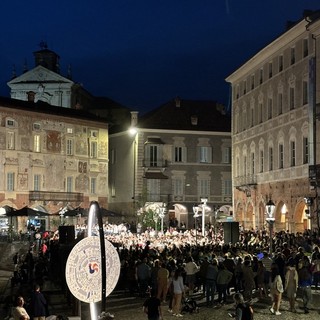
142 53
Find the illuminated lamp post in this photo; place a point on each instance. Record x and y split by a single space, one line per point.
195 216
270 207
204 203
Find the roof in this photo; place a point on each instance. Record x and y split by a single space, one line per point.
45 108
178 114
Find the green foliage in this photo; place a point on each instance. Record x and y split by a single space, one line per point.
148 219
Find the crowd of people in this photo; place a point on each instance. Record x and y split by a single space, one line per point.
177 263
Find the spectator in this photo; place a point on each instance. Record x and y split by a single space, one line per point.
211 281
305 281
223 279
38 304
143 277
276 289
191 270
178 292
291 284
163 282
19 312
152 306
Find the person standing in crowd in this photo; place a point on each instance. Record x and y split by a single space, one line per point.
152 306
211 281
267 262
38 304
191 269
291 284
276 289
163 282
315 261
248 279
178 292
260 279
19 312
305 281
143 277
238 274
223 279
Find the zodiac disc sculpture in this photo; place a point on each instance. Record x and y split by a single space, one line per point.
83 269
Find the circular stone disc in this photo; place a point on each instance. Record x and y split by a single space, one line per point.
83 269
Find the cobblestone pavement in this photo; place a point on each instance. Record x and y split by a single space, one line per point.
126 307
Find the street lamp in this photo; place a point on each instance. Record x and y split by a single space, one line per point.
308 201
204 203
270 207
196 215
160 212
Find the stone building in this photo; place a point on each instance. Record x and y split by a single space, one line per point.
51 158
178 154
275 96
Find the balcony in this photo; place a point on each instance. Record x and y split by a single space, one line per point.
55 196
158 163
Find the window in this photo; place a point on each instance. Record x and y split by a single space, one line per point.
260 112
280 63
226 155
10 140
305 48
270 70
93 149
227 188
252 163
305 92
36 143
205 155
178 184
281 156
293 56
270 158
179 154
252 82
261 161
153 156
261 76
237 167
37 182
280 103
204 188
305 150
153 189
244 87
69 184
291 98
245 165
293 153
269 108
93 185
69 147
252 118
10 123
237 92
10 181
36 126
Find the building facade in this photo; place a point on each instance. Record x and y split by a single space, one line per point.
45 83
51 158
176 155
275 95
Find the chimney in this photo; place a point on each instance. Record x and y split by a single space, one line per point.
178 102
134 118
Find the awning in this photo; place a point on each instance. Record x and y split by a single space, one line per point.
155 175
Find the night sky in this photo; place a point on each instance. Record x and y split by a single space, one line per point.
142 53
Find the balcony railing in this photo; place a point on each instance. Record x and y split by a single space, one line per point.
55 196
159 163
